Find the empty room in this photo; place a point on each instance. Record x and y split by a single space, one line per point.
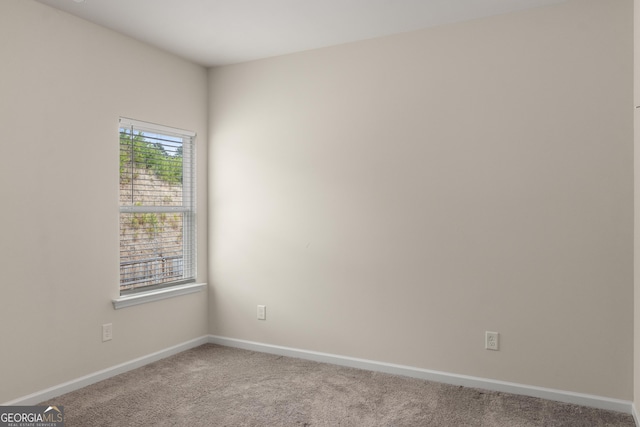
336 212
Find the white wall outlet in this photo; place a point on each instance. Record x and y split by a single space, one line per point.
262 312
107 332
491 340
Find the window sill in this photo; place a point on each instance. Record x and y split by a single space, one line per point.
160 294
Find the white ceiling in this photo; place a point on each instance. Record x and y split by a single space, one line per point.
219 32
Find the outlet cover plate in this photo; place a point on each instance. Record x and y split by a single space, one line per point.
262 312
107 332
492 340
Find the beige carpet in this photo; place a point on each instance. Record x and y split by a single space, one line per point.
220 386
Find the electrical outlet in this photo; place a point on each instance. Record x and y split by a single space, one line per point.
262 312
491 340
107 332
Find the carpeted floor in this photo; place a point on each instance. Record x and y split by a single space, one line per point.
220 386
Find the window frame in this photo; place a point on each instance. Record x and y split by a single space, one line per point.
187 209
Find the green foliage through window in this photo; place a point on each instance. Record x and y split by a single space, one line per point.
138 151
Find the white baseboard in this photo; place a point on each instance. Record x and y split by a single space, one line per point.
441 377
86 380
370 365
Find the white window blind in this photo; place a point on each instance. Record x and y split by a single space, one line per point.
157 206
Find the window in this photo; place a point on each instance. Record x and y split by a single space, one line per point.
157 207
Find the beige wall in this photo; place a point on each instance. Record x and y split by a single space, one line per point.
392 199
63 84
636 75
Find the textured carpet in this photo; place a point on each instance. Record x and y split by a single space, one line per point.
220 386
